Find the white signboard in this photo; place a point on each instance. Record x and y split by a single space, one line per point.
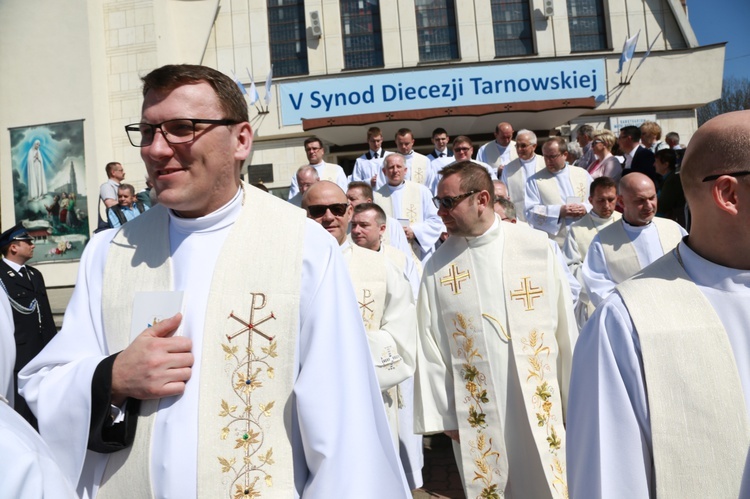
618 122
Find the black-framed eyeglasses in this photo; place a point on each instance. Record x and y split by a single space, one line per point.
461 149
450 202
179 131
732 174
551 156
318 210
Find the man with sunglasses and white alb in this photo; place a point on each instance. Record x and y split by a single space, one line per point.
496 336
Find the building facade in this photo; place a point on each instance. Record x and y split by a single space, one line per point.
340 66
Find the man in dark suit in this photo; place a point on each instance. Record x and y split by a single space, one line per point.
637 158
32 315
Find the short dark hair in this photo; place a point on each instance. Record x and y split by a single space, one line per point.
631 131
561 144
673 136
474 177
602 183
312 139
667 156
402 132
586 130
171 76
438 131
373 131
127 187
110 166
462 139
364 187
380 215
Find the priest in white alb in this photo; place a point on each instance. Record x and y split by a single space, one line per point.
411 204
603 198
326 171
386 304
660 390
496 336
306 176
516 172
630 244
418 167
255 389
556 196
500 151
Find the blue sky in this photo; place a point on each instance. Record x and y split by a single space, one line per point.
717 21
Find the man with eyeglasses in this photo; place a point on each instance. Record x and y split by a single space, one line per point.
661 368
326 171
409 202
625 247
385 302
24 285
306 177
255 388
500 151
556 196
516 172
496 335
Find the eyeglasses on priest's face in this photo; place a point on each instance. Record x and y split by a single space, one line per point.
179 131
318 210
731 174
450 202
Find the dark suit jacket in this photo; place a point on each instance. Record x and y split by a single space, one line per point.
32 331
643 162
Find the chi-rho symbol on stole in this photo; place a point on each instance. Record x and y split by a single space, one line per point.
411 213
455 278
368 314
247 460
527 293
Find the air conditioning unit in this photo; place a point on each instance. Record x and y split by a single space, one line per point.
315 27
549 8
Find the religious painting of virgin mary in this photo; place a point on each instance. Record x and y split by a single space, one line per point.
49 188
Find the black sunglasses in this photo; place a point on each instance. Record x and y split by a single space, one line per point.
733 174
450 202
318 210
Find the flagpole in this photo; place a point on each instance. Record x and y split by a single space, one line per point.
648 52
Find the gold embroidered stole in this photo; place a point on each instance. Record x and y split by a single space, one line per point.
699 423
549 192
619 251
515 174
533 346
246 380
411 207
419 167
395 256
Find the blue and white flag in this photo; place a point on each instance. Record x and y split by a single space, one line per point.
239 84
253 91
628 50
268 86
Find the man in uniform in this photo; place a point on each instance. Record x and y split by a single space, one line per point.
660 384
255 389
516 172
630 244
496 334
326 171
603 198
33 323
500 151
555 195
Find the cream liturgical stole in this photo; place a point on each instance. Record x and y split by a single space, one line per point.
492 154
587 229
699 423
549 192
248 367
411 207
619 252
419 168
329 172
531 338
515 174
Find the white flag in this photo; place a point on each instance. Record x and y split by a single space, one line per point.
268 85
253 91
628 50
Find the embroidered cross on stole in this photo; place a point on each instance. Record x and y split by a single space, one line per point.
247 369
411 207
532 341
419 168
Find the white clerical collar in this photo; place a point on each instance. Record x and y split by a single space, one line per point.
13 265
217 220
345 245
501 148
318 165
397 187
487 237
409 154
634 229
712 275
563 171
597 217
532 159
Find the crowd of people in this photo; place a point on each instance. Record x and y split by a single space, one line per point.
538 311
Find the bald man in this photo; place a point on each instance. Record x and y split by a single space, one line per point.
306 176
661 377
500 151
623 248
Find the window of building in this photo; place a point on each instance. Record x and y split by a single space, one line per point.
588 30
511 23
362 37
287 36
436 30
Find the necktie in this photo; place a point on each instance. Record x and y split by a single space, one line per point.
441 155
24 273
375 155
